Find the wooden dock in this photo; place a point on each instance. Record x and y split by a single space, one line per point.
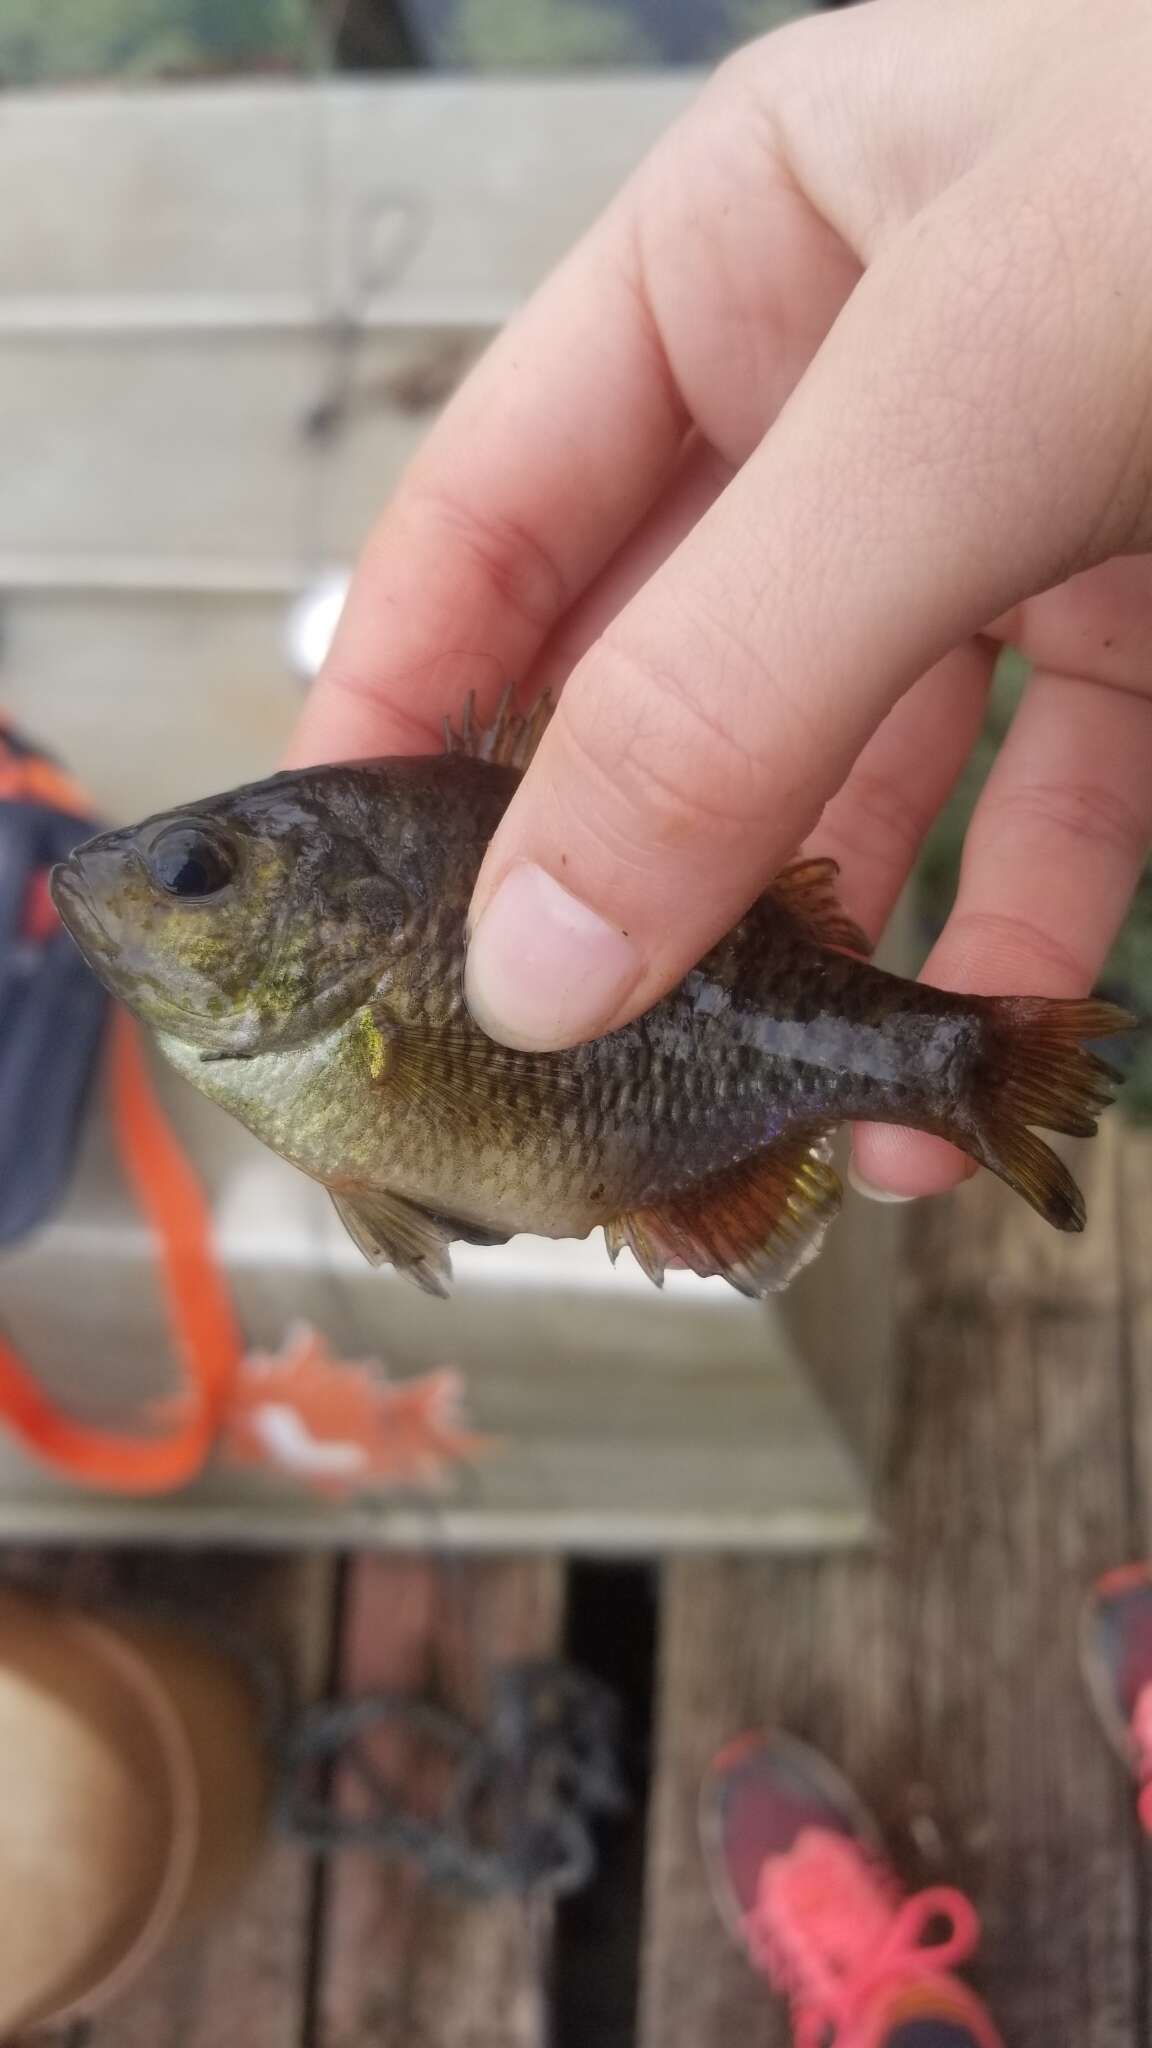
939 1670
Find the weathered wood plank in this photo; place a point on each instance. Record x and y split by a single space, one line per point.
244 1978
152 326
248 1971
403 1966
260 500
151 699
1135 1208
943 1674
285 199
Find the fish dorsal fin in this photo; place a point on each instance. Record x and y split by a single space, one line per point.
755 1224
510 739
808 889
393 1232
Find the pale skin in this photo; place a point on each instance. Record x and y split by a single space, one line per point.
851 384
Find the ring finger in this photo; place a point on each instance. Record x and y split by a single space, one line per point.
1053 854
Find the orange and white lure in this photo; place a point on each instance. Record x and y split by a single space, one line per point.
338 1426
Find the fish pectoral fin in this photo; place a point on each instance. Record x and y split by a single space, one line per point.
466 1081
510 739
808 889
392 1232
755 1224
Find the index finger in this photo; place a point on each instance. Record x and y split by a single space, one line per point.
556 445
533 473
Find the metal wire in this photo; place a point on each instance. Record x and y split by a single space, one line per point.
524 1788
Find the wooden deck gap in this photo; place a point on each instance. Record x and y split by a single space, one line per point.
1142 1948
611 1633
320 1882
1128 1258
319 1892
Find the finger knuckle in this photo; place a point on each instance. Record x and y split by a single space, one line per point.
657 763
509 557
1019 943
887 822
1089 814
411 727
786 59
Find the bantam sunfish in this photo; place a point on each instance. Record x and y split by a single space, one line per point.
298 948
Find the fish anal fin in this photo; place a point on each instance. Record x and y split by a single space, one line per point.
755 1224
510 738
808 889
633 1232
393 1232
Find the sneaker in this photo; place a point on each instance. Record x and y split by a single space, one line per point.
1116 1652
799 1875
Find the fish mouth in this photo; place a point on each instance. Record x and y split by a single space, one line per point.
73 894
78 915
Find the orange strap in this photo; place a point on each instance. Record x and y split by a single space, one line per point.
199 1307
28 778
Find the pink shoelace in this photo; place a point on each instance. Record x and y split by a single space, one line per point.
832 1931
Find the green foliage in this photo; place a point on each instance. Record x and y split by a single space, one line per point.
65 40
749 18
559 35
543 35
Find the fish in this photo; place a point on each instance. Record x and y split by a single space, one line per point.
297 947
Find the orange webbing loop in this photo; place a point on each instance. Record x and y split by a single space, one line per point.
199 1308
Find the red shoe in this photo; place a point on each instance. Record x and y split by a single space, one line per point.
800 1877
1116 1650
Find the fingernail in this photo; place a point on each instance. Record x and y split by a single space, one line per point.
874 1194
543 969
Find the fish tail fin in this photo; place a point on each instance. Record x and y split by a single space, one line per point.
1034 1069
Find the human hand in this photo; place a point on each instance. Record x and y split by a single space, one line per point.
852 382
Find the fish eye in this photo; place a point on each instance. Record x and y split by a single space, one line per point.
185 860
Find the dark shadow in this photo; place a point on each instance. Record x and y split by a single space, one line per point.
611 1633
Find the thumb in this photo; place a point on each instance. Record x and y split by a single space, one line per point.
936 464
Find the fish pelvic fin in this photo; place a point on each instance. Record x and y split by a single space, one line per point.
510 739
808 889
755 1225
1034 1069
393 1232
